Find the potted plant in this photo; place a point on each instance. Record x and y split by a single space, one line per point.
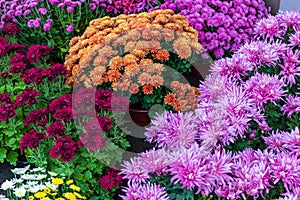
145 63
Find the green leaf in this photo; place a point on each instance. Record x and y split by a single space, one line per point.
12 157
2 154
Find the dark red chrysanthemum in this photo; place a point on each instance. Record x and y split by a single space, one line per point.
17 67
31 139
93 141
5 98
93 126
65 148
105 123
36 51
11 29
32 75
65 114
28 96
61 102
16 48
42 123
110 180
56 129
119 104
7 111
37 114
17 58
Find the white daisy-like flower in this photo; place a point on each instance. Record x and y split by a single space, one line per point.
17 180
51 186
20 192
38 169
32 183
52 174
2 197
8 185
41 177
34 189
29 177
20 171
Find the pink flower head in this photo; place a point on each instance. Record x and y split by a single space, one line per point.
70 28
135 171
264 88
43 11
292 105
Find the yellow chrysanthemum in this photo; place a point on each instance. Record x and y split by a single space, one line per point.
45 198
40 194
69 182
57 181
53 194
31 198
78 195
60 198
47 190
74 187
69 196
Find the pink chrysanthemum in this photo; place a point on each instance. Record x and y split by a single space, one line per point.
152 191
258 52
286 167
295 39
292 105
192 170
264 88
173 129
135 171
269 28
291 18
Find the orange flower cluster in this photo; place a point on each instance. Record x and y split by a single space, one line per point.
144 30
184 97
127 53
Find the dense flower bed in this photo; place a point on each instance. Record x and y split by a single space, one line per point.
243 139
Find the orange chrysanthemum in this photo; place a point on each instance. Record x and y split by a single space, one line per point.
182 48
144 78
144 63
113 75
139 53
129 59
116 63
156 81
99 61
161 55
132 68
147 89
170 99
130 46
134 88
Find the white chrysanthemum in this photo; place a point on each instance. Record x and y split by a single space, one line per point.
20 171
29 177
34 189
38 169
32 182
20 192
53 173
7 185
41 177
51 186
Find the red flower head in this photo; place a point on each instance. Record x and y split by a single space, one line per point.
28 96
11 29
31 139
93 141
110 180
32 75
17 67
64 101
36 51
37 114
56 129
7 111
65 114
65 148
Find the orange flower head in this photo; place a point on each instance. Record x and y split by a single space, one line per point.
168 34
156 81
170 99
100 60
157 67
132 68
113 75
139 53
130 46
144 78
162 18
129 59
116 63
154 45
119 41
134 88
177 105
182 48
147 89
144 63
147 34
143 45
175 85
161 55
